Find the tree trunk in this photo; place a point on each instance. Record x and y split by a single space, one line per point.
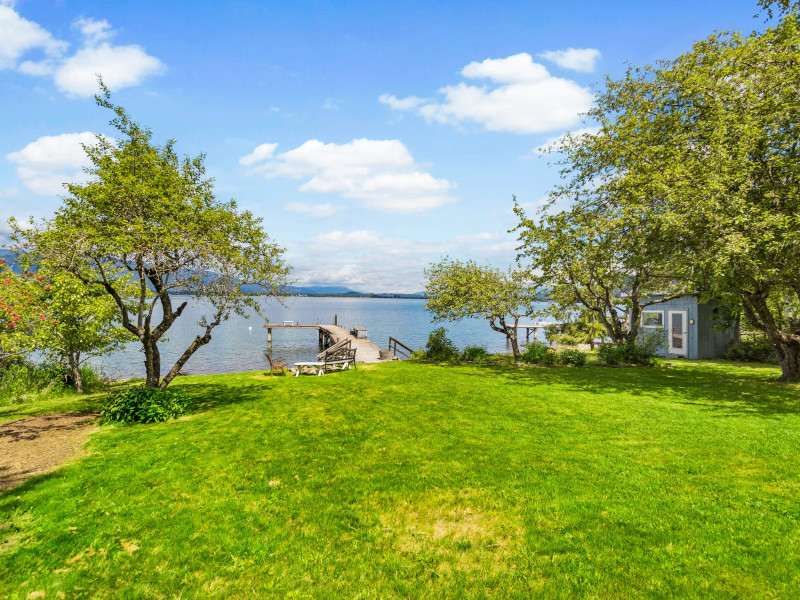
511 334
198 341
152 363
74 359
789 359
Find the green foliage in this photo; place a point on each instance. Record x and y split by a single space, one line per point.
23 312
147 225
536 353
419 354
145 405
692 176
83 325
572 356
456 290
474 354
581 327
24 381
757 350
642 351
539 353
440 346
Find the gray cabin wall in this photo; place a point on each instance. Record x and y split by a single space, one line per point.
714 344
685 303
702 341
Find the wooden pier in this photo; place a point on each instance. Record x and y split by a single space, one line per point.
535 327
367 352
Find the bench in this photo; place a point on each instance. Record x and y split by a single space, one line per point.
339 354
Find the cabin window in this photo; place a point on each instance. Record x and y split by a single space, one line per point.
652 318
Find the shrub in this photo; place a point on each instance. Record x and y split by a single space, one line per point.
145 405
440 346
757 350
536 352
633 353
474 354
21 380
572 356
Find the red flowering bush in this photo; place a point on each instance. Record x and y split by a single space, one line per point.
23 311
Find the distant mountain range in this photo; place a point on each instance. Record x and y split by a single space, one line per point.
305 290
322 290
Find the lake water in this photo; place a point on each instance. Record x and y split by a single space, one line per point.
239 343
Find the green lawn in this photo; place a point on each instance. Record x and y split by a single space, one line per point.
428 481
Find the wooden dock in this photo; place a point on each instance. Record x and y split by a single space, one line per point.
367 352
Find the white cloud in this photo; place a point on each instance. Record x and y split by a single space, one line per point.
45 164
525 99
75 75
19 36
381 174
556 141
368 260
93 30
404 104
576 59
262 152
364 260
119 66
315 210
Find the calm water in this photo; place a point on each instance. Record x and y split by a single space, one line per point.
239 343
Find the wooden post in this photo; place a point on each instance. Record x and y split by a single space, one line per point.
269 335
528 336
336 320
320 337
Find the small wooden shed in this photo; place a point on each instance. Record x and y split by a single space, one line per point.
690 327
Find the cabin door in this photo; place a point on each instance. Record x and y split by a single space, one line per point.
678 332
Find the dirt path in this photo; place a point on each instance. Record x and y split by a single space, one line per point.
41 444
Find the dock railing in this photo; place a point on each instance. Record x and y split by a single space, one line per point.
398 348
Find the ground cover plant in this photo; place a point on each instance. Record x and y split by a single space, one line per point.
429 481
25 381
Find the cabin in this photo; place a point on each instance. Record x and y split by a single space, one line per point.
690 327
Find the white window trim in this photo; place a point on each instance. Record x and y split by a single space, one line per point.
661 312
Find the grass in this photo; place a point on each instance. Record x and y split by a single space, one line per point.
429 481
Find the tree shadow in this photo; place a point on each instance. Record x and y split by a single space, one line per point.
34 427
208 395
727 389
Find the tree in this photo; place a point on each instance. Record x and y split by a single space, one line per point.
458 290
151 217
704 150
596 260
83 324
581 327
22 312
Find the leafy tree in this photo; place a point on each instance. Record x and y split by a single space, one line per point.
778 7
151 216
600 261
458 290
704 150
582 327
83 324
23 312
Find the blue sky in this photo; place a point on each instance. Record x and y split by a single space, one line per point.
372 137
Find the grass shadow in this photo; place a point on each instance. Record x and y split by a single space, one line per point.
735 389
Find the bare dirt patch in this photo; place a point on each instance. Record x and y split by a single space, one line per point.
37 445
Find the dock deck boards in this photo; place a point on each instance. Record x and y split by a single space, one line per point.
367 352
